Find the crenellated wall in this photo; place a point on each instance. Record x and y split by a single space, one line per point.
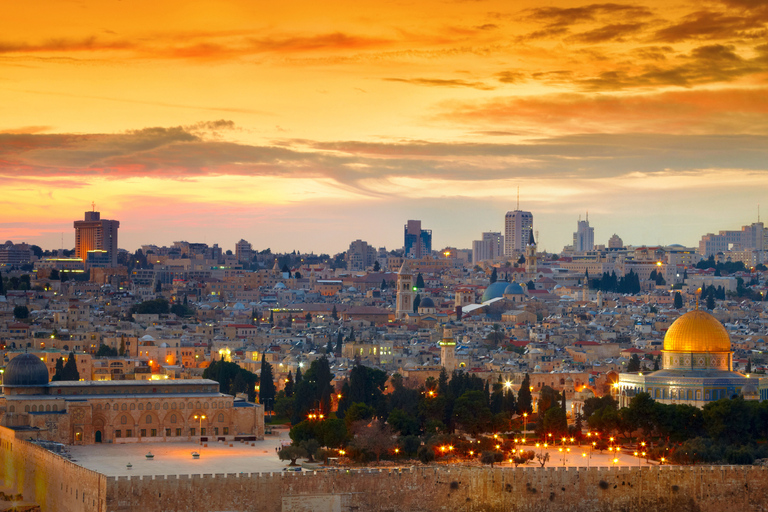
668 489
51 481
59 485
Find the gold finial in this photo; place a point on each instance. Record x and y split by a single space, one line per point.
698 296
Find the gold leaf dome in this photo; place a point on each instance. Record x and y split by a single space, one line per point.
697 331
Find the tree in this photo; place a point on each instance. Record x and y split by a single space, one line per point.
329 347
419 281
2 285
678 300
376 266
266 383
21 312
291 453
106 351
472 412
383 284
59 370
416 303
151 307
374 437
490 457
70 369
710 301
634 364
122 347
524 398
289 385
496 336
543 458
311 446
334 314
494 276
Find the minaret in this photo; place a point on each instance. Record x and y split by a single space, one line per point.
404 304
531 265
600 299
448 351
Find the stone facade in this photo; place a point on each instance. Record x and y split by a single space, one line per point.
61 486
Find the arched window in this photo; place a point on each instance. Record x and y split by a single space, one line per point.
123 407
221 418
12 408
133 407
149 418
173 418
205 405
26 408
123 420
114 407
141 407
56 407
149 406
47 408
213 405
165 406
34 408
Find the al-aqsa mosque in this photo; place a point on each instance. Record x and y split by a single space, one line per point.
697 364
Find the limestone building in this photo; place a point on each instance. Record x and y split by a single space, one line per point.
88 412
697 364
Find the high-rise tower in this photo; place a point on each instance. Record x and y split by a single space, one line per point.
417 242
96 234
584 237
518 226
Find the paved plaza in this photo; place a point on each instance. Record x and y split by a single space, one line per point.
175 458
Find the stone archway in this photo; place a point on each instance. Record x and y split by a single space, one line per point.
97 436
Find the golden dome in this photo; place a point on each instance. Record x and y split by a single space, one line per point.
697 331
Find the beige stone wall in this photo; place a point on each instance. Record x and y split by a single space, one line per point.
54 483
671 489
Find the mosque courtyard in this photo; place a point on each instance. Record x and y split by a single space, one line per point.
176 458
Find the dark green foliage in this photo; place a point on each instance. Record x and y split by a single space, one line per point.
419 281
313 391
182 310
416 302
59 370
225 374
69 372
21 312
106 351
494 276
151 307
425 454
267 389
289 384
678 300
634 364
471 411
524 397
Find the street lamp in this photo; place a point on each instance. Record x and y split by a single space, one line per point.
525 425
200 417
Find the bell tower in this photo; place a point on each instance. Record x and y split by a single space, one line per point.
531 265
404 304
448 351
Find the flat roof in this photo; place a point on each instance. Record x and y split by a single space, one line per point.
139 383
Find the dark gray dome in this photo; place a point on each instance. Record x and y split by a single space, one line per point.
426 302
25 370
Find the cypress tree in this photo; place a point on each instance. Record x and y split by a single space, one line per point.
70 369
524 397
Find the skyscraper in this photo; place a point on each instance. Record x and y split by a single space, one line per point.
518 226
244 252
417 241
95 234
490 247
584 237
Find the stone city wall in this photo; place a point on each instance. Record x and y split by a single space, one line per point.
51 481
668 489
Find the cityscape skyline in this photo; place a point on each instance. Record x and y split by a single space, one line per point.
227 120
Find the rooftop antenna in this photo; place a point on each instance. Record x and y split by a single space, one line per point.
587 216
758 212
518 197
93 206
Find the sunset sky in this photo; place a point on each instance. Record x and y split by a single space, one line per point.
305 125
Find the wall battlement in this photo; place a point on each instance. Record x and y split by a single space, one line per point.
59 485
